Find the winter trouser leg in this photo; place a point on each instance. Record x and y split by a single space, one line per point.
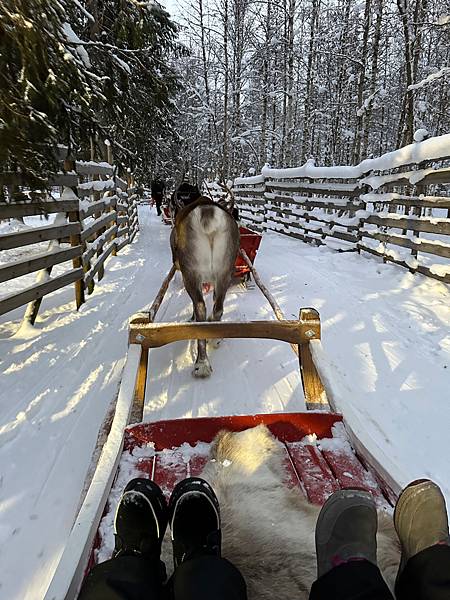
124 578
426 576
158 203
207 578
355 580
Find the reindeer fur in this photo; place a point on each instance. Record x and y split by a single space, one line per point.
267 529
205 242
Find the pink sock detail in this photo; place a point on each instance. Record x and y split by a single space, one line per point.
337 561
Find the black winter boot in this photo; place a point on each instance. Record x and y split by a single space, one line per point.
194 519
141 520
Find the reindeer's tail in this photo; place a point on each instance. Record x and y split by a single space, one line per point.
213 219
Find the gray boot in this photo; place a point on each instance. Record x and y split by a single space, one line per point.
346 529
420 518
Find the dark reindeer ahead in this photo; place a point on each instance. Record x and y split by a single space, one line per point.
205 242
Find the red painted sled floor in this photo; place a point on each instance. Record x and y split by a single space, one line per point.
318 456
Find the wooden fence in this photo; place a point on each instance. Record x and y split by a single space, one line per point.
396 206
96 216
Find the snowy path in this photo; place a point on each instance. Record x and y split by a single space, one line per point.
57 384
387 336
386 332
249 376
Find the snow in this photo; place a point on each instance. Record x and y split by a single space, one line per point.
440 73
388 215
420 135
125 66
98 186
92 163
74 39
443 20
430 149
376 181
441 270
386 343
249 180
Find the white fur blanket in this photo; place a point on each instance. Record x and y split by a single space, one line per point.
267 529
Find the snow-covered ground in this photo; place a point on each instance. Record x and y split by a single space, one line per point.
386 332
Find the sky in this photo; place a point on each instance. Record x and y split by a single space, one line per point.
171 6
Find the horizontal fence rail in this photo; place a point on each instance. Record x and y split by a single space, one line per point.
96 216
396 206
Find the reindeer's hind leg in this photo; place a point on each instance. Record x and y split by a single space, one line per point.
220 291
202 367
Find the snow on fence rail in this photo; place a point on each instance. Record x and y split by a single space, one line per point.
95 218
396 206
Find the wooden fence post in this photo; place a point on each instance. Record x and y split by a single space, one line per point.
419 189
263 197
361 222
75 240
116 223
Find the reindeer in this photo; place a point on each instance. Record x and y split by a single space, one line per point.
205 242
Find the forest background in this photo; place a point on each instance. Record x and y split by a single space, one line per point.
221 89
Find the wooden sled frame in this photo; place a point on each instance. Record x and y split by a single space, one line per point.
144 334
298 333
303 334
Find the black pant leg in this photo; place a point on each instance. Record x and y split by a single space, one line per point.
124 578
208 578
355 580
158 203
426 576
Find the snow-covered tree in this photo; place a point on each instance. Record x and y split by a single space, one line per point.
337 80
46 93
75 72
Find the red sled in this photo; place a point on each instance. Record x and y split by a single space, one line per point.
321 455
250 241
166 216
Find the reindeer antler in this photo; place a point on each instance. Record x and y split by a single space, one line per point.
229 191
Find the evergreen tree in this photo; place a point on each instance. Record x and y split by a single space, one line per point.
132 45
45 94
76 71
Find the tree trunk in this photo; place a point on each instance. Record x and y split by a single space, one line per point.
263 154
306 138
406 124
225 160
288 153
361 86
373 80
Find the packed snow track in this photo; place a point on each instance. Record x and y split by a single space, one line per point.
386 334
